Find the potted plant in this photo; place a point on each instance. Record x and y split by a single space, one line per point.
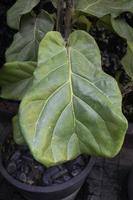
69 106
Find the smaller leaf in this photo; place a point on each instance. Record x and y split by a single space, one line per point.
82 23
106 22
122 29
20 8
16 79
127 61
125 31
26 42
100 8
18 137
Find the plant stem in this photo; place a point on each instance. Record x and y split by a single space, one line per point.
60 15
68 18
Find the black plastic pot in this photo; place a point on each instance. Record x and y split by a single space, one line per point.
65 191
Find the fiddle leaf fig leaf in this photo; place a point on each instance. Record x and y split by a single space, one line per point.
15 79
100 8
125 31
26 42
20 8
122 29
127 60
18 137
73 107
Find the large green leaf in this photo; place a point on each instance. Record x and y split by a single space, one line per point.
125 31
20 8
15 79
73 107
101 8
26 42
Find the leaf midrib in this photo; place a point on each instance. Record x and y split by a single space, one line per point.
71 73
70 81
90 5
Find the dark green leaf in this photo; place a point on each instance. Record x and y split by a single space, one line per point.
20 8
127 61
81 23
26 42
15 79
73 107
125 31
100 8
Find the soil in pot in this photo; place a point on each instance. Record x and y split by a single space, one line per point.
20 164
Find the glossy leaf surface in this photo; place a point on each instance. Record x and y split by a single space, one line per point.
15 79
26 42
73 107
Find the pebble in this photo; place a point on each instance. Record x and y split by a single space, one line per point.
79 161
47 179
22 177
36 173
16 156
30 180
59 181
18 163
66 178
48 174
60 174
27 158
25 169
41 169
11 168
52 171
76 172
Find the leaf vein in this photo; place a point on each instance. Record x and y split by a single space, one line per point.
44 105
